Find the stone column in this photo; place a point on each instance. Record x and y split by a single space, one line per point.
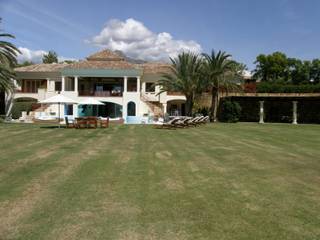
138 84
261 112
48 85
294 113
76 84
75 110
143 89
164 108
125 83
62 84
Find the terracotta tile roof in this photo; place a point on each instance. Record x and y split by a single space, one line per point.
105 59
155 68
105 55
102 65
42 67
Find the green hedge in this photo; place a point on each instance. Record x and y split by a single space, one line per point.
264 87
18 107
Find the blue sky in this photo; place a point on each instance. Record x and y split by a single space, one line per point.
155 29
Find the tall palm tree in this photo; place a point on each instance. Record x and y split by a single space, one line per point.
8 54
216 67
185 77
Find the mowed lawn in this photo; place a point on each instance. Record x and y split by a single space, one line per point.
219 181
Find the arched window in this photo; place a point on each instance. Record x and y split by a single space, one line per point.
131 109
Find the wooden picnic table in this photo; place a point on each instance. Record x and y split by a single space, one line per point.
91 122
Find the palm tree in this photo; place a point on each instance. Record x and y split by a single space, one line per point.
8 60
185 77
216 68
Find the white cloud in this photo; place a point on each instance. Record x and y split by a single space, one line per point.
35 56
30 55
137 41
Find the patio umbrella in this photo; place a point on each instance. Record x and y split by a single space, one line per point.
90 101
58 99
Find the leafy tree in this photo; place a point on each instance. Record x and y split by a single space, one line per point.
299 71
315 71
8 59
273 67
51 57
236 72
216 67
277 68
185 77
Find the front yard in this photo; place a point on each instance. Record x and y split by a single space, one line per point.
219 181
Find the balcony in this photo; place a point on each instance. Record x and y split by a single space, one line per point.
90 93
100 87
32 86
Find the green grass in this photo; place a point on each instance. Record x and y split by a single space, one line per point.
220 181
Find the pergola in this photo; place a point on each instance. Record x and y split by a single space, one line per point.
262 97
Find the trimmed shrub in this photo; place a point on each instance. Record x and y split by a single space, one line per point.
21 105
265 87
229 111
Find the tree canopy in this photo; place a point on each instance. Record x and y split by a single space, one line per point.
50 57
278 68
185 77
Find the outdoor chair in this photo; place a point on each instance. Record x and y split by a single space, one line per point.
81 123
104 123
69 124
92 122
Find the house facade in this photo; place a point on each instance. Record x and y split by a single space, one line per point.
127 89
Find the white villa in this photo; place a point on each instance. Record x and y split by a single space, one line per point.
127 89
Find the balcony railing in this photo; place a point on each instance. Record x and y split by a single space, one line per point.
30 90
100 93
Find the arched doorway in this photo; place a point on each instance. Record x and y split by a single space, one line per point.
176 107
131 110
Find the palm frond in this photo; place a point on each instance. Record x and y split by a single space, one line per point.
8 59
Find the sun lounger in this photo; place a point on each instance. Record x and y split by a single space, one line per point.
200 120
169 124
204 120
182 122
194 121
190 121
